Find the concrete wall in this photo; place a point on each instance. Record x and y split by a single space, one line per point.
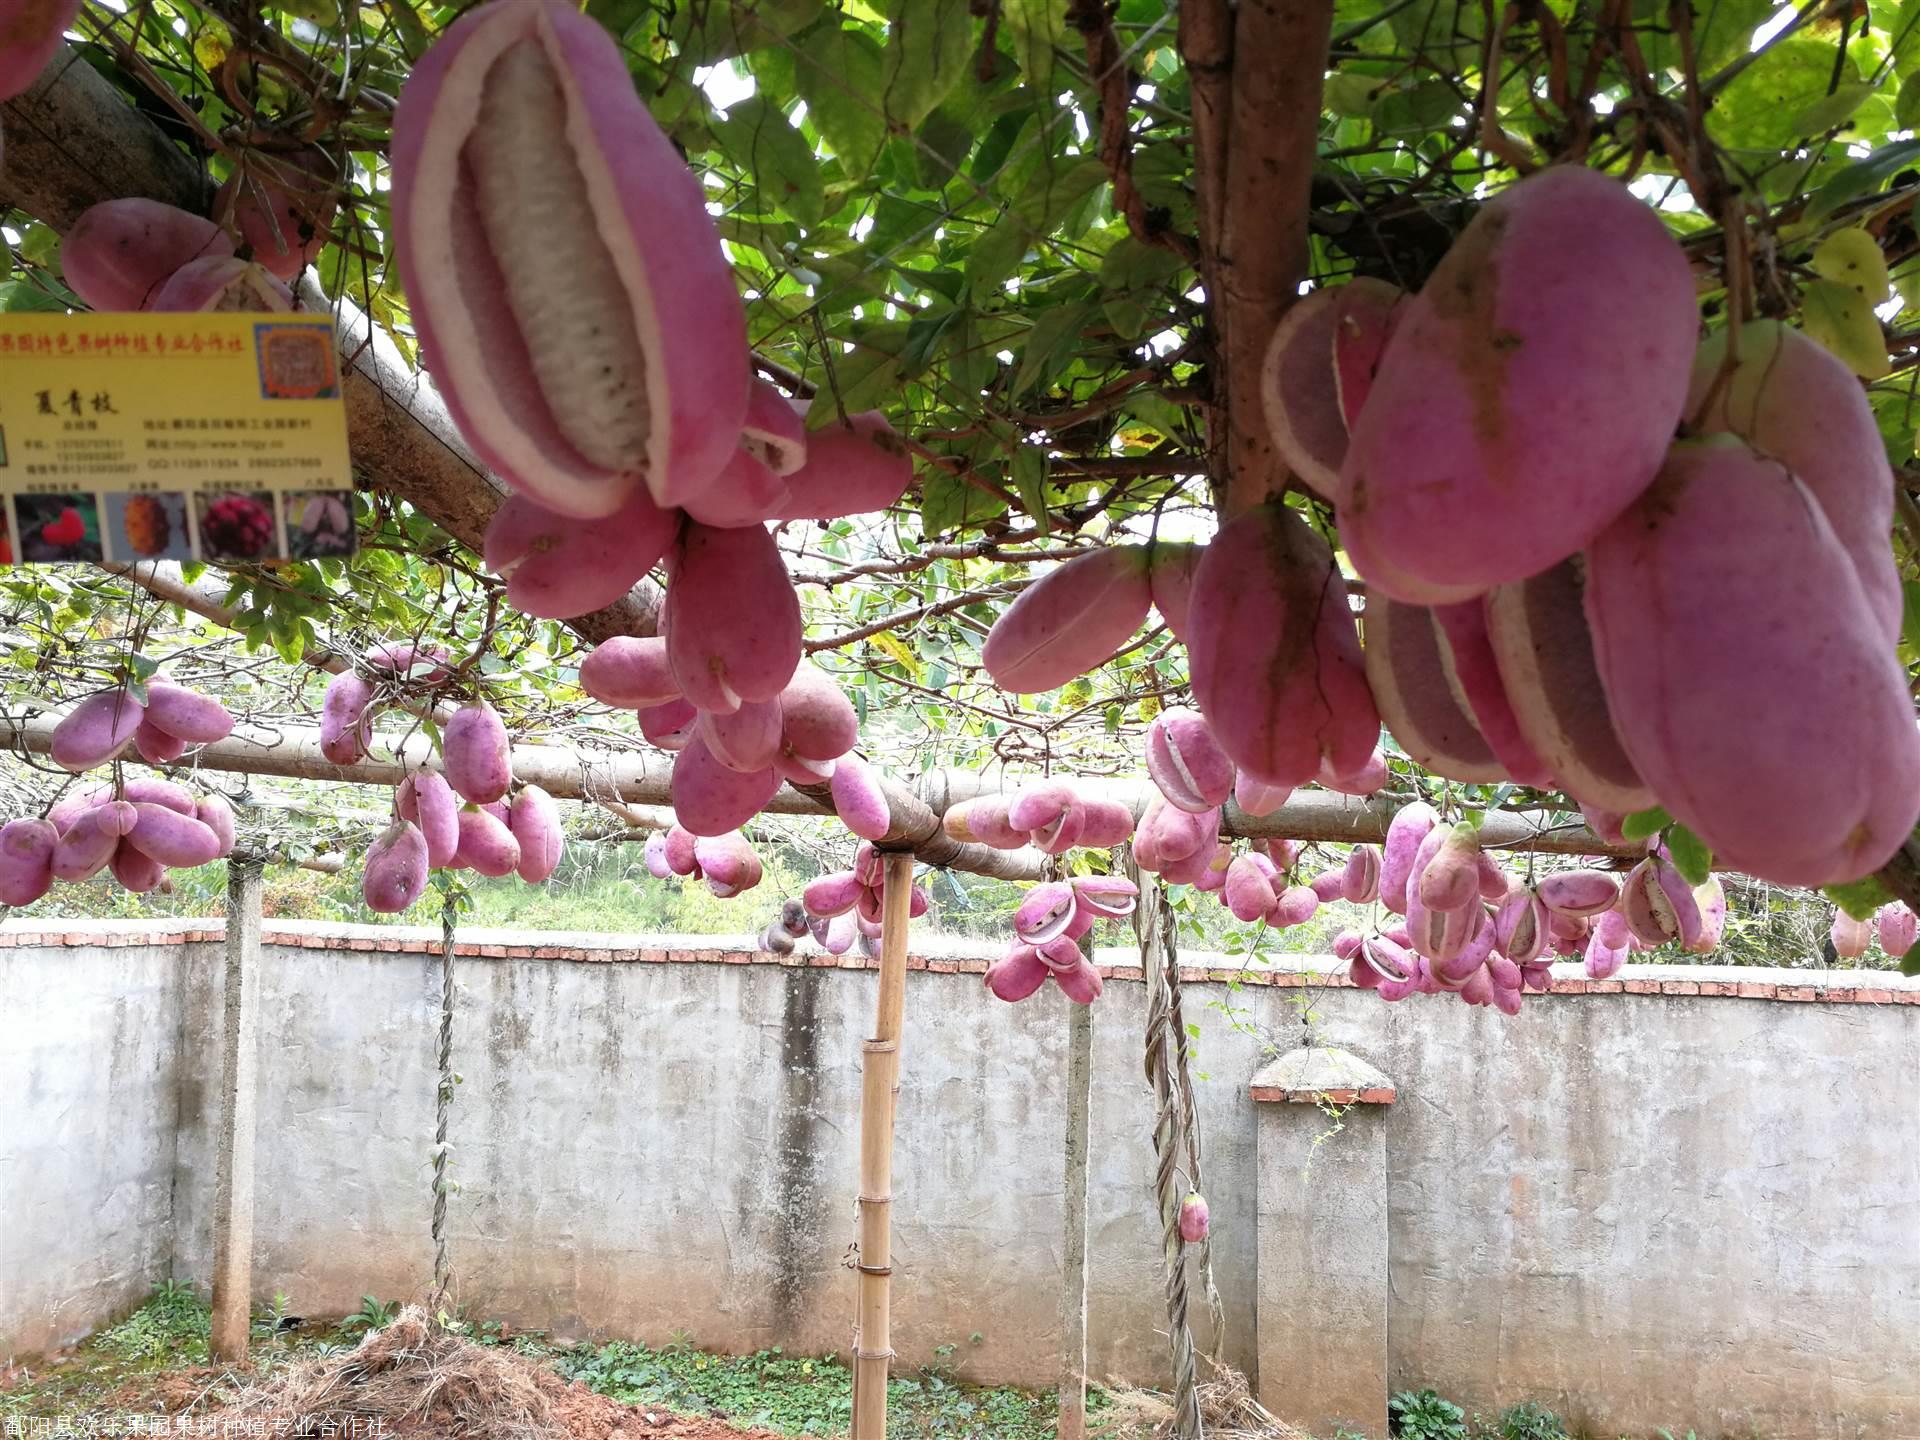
1668 1208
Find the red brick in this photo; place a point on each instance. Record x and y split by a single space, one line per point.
1679 987
361 945
1749 990
1718 987
1906 997
1606 987
1643 987
1871 997
944 967
1576 985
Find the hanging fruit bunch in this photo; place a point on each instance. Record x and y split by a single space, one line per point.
1048 929
848 904
1893 925
727 864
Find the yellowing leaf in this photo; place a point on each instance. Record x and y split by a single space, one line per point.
210 49
1840 319
896 649
1851 258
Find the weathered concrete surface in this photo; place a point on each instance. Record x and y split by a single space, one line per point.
1322 1187
88 1070
1645 1210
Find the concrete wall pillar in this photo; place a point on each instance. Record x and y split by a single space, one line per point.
233 1142
1321 1202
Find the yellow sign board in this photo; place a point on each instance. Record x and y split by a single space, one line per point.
172 437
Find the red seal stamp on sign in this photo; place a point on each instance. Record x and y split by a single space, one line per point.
297 362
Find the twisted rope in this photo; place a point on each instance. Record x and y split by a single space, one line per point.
1153 924
443 1114
1190 1117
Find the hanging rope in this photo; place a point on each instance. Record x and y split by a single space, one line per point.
443 1113
1153 923
1190 1120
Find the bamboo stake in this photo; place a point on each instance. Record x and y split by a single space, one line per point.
879 1093
1073 1291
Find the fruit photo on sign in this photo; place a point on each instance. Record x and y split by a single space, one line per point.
237 525
147 526
319 524
59 527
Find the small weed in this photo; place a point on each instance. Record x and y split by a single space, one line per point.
373 1314
1530 1422
1424 1415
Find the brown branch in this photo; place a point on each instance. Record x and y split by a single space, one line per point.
902 618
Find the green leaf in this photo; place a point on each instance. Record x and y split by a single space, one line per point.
777 155
1030 480
1840 318
839 76
929 44
1830 112
1762 108
40 244
1852 258
1690 855
948 502
1036 27
1910 962
1049 347
19 297
1867 175
1642 823
720 29
1859 898
1131 275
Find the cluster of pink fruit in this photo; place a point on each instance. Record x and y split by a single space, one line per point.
355 696
1048 928
1051 815
726 863
847 905
1559 591
137 830
460 818
731 760
1893 924
1471 929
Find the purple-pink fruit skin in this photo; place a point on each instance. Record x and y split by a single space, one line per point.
535 822
135 869
733 620
198 719
1017 974
396 873
175 840
629 673
156 746
1072 620
486 844
213 812
26 860
710 799
97 729
859 800
436 810
478 759
120 251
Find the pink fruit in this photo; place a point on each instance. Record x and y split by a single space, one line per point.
1061 833
1409 669
732 621
1166 835
187 714
396 873
213 812
1328 886
1528 393
1748 678
486 844
1520 927
1108 897
868 865
1037 806
1607 946
1017 974
120 251
1711 900
1450 880
682 851
1406 833
1272 654
710 799
983 821
1391 958
477 756
746 740
135 870
1579 892
1256 797
1062 953
842 931
1075 618
1299 385
1105 823
156 746
222 284
1186 762
1538 630
1249 889
654 855
177 841
1793 401
728 864
534 821
1193 1219
605 346
1537 977
1360 881
859 800
1472 956
817 720
850 469
408 662
88 844
346 727
1850 936
1294 906
775 431
1897 926
96 730
26 860
1368 779
1046 912
282 207
670 725
629 673
1440 935
1658 904
30 36
1082 984
557 566
833 894
1368 313
1170 569
428 801
1470 659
